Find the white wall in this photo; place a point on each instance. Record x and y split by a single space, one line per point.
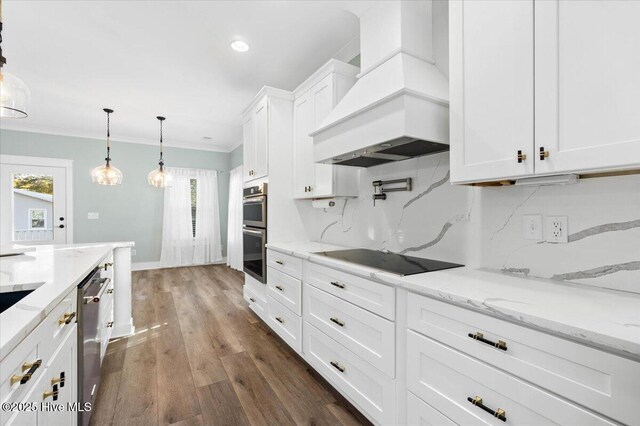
482 227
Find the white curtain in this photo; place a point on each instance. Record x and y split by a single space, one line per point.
179 247
234 229
207 244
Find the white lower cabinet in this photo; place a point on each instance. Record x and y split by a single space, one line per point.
421 413
285 323
60 383
367 387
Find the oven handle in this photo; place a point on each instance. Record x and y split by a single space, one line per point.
249 231
256 200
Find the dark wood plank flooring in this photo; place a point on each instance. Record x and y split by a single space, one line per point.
200 356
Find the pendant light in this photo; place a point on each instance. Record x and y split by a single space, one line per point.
159 177
14 94
107 174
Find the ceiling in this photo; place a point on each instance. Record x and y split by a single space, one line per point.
149 58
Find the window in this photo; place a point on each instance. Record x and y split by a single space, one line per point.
37 218
194 185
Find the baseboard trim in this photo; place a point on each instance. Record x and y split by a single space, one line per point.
146 266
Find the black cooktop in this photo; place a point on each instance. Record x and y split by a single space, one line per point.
389 262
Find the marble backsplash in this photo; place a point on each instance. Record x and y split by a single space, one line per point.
483 227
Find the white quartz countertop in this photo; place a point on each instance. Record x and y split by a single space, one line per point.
52 271
599 317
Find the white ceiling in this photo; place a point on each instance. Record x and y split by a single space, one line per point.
172 58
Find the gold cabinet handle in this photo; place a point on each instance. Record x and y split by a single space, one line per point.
279 287
337 366
500 414
500 344
280 320
106 265
337 321
110 324
66 318
53 393
110 291
521 156
30 368
543 154
57 380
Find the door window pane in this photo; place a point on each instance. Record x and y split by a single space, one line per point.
32 207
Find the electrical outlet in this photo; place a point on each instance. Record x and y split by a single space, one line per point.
532 227
93 215
133 252
557 229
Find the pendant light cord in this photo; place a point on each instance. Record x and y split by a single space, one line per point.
161 162
108 138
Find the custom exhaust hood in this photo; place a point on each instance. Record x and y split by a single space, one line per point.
399 107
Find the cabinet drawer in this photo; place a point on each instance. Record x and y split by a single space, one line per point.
375 297
601 381
25 352
421 413
284 263
53 330
372 391
285 289
367 335
256 303
284 322
445 378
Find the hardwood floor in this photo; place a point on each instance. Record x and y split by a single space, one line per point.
200 356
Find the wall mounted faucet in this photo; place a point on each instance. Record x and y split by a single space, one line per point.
380 192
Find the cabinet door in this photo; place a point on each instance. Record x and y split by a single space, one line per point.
587 85
303 167
62 366
249 148
492 89
324 98
261 118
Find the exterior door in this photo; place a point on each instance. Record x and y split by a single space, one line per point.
33 204
492 102
587 71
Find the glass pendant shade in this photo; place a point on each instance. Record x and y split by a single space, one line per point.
106 174
160 178
14 96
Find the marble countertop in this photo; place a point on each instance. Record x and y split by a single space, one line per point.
603 318
52 271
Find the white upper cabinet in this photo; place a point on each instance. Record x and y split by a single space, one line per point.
556 81
587 85
262 123
314 100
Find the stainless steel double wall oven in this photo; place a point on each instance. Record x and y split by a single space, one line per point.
254 231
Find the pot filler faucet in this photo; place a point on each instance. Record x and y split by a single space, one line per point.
380 192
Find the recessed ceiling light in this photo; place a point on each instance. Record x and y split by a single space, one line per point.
206 138
239 46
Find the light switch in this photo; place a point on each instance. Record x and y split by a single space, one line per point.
532 227
93 215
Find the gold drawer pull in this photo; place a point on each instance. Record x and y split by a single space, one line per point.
30 368
521 157
57 380
543 154
53 393
279 287
337 366
499 413
337 321
500 344
110 324
280 320
66 318
110 291
106 265
337 284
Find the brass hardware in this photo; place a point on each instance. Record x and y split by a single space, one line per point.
477 400
53 393
543 154
15 379
338 366
521 157
279 262
60 380
107 264
280 320
29 365
500 344
110 291
67 318
337 321
279 287
110 324
252 299
500 414
337 284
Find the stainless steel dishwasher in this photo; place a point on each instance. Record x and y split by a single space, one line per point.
90 291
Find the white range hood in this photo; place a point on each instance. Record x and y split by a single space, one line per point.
399 107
